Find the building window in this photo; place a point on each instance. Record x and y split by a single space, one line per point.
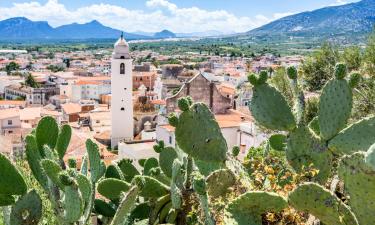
122 68
170 139
122 109
10 122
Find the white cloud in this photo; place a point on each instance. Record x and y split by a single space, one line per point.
162 14
339 2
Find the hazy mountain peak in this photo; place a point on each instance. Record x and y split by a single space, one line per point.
353 17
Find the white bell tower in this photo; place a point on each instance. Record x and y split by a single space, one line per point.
121 88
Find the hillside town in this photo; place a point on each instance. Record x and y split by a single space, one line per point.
122 103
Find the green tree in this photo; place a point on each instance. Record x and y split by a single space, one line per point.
311 109
369 56
319 67
352 57
55 68
364 98
12 66
30 81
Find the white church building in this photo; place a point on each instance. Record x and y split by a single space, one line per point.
121 88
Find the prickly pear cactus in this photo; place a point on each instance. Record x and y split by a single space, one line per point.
198 134
27 210
269 107
358 173
166 158
321 203
47 132
335 104
112 188
71 193
149 187
128 169
200 187
63 140
177 184
303 149
356 137
97 167
219 181
11 181
247 209
315 142
127 204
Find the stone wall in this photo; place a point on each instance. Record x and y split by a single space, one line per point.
201 90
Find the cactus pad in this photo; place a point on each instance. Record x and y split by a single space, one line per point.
52 170
27 210
128 169
34 158
199 135
11 180
248 208
304 148
72 204
85 188
270 109
6 200
278 142
150 164
335 107
113 171
321 203
112 188
359 179
356 137
149 187
177 184
219 181
166 158
125 207
183 104
63 140
47 132
103 208
97 167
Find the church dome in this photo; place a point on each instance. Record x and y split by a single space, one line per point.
121 49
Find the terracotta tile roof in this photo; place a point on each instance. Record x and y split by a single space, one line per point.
30 113
143 74
168 127
9 113
96 78
87 82
77 148
226 89
232 119
158 102
12 102
71 108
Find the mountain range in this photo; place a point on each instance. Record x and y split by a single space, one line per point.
358 17
21 28
348 19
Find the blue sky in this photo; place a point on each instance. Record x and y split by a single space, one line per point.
155 15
